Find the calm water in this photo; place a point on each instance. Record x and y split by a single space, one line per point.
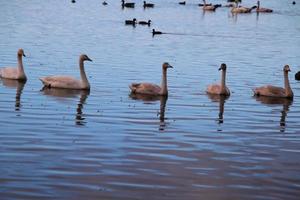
58 144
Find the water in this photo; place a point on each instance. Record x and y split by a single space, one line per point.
105 144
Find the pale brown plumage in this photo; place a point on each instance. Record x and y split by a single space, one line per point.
208 7
220 89
152 89
259 9
273 91
69 82
13 72
241 9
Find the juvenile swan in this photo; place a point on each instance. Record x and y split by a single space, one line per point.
15 73
273 91
259 9
68 82
153 89
220 89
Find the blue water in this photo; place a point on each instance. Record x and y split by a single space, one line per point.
105 144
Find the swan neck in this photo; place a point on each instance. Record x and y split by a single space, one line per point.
84 79
223 83
288 90
164 85
20 66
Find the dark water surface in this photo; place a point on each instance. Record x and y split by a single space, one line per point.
105 144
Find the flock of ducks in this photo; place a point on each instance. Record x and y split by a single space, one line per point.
150 89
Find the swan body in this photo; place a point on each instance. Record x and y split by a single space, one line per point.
68 82
241 9
273 91
153 89
209 7
13 72
130 22
219 89
182 3
259 9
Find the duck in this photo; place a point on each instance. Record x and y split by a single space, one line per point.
145 23
273 91
127 5
259 9
220 89
148 5
104 3
68 82
130 22
73 1
182 3
241 9
297 76
207 7
150 88
15 73
154 32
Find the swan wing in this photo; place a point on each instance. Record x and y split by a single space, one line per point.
214 89
145 88
9 72
270 90
66 82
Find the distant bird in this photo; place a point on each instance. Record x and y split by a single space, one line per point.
220 89
273 91
104 3
145 23
259 9
202 4
233 1
68 82
294 2
182 3
154 32
242 9
297 76
127 5
15 73
207 7
130 22
148 5
73 1
153 89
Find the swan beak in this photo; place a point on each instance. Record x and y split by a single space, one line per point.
170 66
24 55
220 68
89 59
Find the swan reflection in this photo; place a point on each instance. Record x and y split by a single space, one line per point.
19 85
221 99
286 103
67 93
163 102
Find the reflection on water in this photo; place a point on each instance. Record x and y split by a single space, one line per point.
221 99
19 85
286 103
163 102
67 93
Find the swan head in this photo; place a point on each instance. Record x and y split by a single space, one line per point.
134 20
166 65
149 21
223 67
21 53
84 57
286 68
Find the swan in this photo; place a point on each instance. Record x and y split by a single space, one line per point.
128 5
69 82
130 22
259 9
241 9
220 89
153 89
273 91
297 76
15 73
209 7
